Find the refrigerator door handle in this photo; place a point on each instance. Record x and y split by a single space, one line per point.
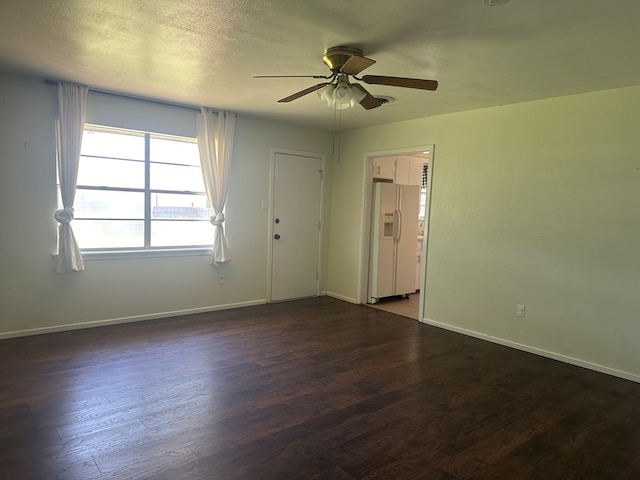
398 226
395 226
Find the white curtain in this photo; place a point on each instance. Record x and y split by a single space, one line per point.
215 143
70 115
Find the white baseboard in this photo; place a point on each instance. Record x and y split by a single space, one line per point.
131 319
537 351
342 297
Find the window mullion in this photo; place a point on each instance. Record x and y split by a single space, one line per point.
147 191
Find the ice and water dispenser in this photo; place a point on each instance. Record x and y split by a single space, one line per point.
387 222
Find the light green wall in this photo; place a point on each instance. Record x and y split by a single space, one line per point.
535 203
33 297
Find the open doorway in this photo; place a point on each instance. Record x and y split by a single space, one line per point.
387 281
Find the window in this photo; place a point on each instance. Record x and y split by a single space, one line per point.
423 191
140 190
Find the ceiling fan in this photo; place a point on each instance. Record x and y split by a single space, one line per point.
338 92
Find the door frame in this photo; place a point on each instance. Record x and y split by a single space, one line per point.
365 246
272 178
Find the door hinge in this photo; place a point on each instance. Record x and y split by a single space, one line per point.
319 225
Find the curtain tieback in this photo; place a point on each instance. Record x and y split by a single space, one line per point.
217 220
64 215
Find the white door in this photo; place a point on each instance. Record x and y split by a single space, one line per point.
296 214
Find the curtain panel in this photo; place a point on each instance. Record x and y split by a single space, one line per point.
70 115
215 143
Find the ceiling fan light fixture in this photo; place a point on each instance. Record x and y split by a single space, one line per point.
341 95
356 96
326 94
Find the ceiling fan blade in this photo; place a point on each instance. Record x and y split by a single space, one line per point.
401 82
292 76
369 101
356 64
302 93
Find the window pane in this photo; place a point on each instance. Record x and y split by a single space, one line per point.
180 233
173 206
172 151
109 204
115 145
107 172
109 233
176 177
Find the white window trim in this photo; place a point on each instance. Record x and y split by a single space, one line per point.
91 254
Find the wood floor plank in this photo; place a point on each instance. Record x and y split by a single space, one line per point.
312 389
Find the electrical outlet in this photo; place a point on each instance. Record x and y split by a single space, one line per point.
520 311
221 280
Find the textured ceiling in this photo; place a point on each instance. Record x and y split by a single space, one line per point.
205 52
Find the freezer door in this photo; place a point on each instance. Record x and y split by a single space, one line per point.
384 234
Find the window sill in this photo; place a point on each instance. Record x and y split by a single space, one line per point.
137 254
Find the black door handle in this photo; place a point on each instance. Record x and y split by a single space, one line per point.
277 236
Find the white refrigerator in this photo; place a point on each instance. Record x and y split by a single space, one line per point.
392 269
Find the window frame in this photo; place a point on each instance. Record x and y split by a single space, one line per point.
147 250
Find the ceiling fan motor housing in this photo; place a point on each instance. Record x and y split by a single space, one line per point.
336 57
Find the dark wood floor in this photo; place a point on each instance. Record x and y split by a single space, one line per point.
312 389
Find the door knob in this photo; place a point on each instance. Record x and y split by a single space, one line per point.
277 236
277 220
